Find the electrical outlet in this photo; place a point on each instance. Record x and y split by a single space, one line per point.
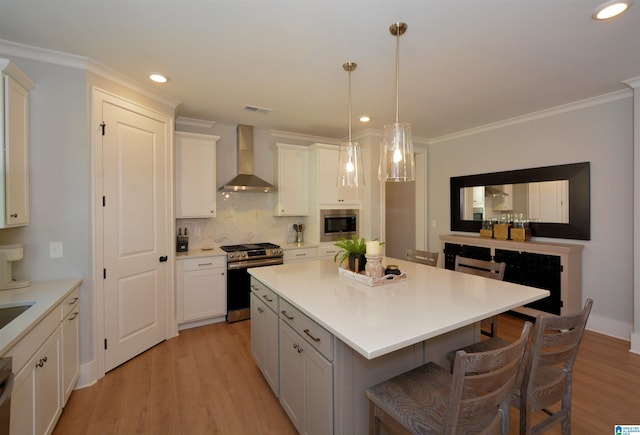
290 228
55 250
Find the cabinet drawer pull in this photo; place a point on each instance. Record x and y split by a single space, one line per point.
73 301
306 331
301 255
284 313
14 215
204 264
74 316
267 298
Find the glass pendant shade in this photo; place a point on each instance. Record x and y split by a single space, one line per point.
350 169
397 162
396 154
350 165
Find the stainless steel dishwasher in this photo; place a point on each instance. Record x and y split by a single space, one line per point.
6 387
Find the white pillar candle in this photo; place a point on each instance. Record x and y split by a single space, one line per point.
373 247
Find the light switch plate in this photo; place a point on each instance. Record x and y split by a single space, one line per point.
55 250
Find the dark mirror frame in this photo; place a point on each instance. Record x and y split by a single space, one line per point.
578 174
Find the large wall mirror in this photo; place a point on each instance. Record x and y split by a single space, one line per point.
555 200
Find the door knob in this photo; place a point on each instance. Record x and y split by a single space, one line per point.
163 259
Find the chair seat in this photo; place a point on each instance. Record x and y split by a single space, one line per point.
416 399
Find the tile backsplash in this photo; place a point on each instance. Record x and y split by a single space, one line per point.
241 218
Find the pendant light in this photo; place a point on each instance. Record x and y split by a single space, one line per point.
396 158
350 169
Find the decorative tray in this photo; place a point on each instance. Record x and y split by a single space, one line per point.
373 282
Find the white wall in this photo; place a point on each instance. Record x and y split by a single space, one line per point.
59 186
600 134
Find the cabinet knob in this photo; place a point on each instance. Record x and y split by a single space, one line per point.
14 215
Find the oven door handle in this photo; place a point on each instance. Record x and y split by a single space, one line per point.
253 263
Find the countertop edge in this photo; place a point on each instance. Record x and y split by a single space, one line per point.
11 334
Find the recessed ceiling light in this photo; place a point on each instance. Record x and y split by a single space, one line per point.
365 118
158 78
610 9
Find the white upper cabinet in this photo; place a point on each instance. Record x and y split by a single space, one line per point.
196 175
324 170
292 163
14 133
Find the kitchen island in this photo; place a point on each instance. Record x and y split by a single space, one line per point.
364 335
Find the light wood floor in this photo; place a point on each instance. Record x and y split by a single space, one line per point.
205 382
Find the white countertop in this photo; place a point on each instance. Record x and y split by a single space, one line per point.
303 245
44 296
375 321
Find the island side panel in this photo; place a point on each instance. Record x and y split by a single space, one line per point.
353 374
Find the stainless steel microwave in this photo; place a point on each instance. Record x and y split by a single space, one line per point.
337 224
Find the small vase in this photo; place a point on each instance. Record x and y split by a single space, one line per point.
373 268
362 261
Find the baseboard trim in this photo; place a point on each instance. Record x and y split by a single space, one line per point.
635 343
88 375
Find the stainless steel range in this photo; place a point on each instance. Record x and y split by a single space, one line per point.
239 259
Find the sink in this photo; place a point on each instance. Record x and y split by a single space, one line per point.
8 313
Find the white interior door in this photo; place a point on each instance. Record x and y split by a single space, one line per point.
136 177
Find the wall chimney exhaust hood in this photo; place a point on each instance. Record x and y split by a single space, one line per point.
245 181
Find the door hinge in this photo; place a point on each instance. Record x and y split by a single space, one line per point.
104 273
103 126
105 344
104 201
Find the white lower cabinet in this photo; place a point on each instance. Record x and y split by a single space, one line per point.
201 288
264 340
327 251
46 362
299 254
306 372
36 400
70 347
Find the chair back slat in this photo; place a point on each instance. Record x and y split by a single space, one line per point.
423 257
487 269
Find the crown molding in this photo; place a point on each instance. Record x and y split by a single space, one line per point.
191 122
577 105
633 83
302 137
84 63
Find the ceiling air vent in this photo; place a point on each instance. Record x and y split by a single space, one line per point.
256 109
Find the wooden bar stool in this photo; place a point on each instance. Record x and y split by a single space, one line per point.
432 400
487 269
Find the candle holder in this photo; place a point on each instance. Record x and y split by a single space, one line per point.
373 268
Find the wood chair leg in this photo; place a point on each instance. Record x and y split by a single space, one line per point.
374 423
